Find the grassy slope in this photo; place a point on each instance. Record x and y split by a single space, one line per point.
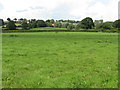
63 60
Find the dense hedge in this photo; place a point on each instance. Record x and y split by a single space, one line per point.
89 30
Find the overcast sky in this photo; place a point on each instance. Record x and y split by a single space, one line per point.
59 9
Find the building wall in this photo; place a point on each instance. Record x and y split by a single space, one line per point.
119 10
0 22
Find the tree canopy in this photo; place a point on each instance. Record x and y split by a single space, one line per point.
87 23
11 25
116 24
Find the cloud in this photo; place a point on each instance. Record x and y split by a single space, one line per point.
22 10
97 10
60 9
36 8
1 7
31 8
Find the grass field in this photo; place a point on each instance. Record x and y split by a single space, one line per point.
60 60
48 28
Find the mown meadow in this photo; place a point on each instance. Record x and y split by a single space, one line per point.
60 60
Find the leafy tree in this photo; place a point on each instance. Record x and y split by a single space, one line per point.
8 19
87 23
103 26
34 24
21 19
48 21
70 27
58 24
11 25
24 25
52 21
65 25
116 24
15 19
77 27
41 23
29 25
48 24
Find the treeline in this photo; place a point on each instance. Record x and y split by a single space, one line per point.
87 24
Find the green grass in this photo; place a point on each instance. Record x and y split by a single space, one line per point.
60 60
48 28
17 24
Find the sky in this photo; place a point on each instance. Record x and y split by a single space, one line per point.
59 9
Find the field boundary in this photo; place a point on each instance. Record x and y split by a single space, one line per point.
14 31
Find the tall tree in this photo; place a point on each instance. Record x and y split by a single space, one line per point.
70 27
8 19
15 19
52 21
116 24
87 23
103 26
24 25
41 23
11 25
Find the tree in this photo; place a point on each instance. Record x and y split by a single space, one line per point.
77 27
58 24
15 19
21 19
8 19
34 24
87 23
70 27
29 25
48 21
116 24
41 23
65 25
52 21
103 26
49 24
11 25
24 25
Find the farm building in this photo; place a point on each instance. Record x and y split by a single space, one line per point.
98 21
